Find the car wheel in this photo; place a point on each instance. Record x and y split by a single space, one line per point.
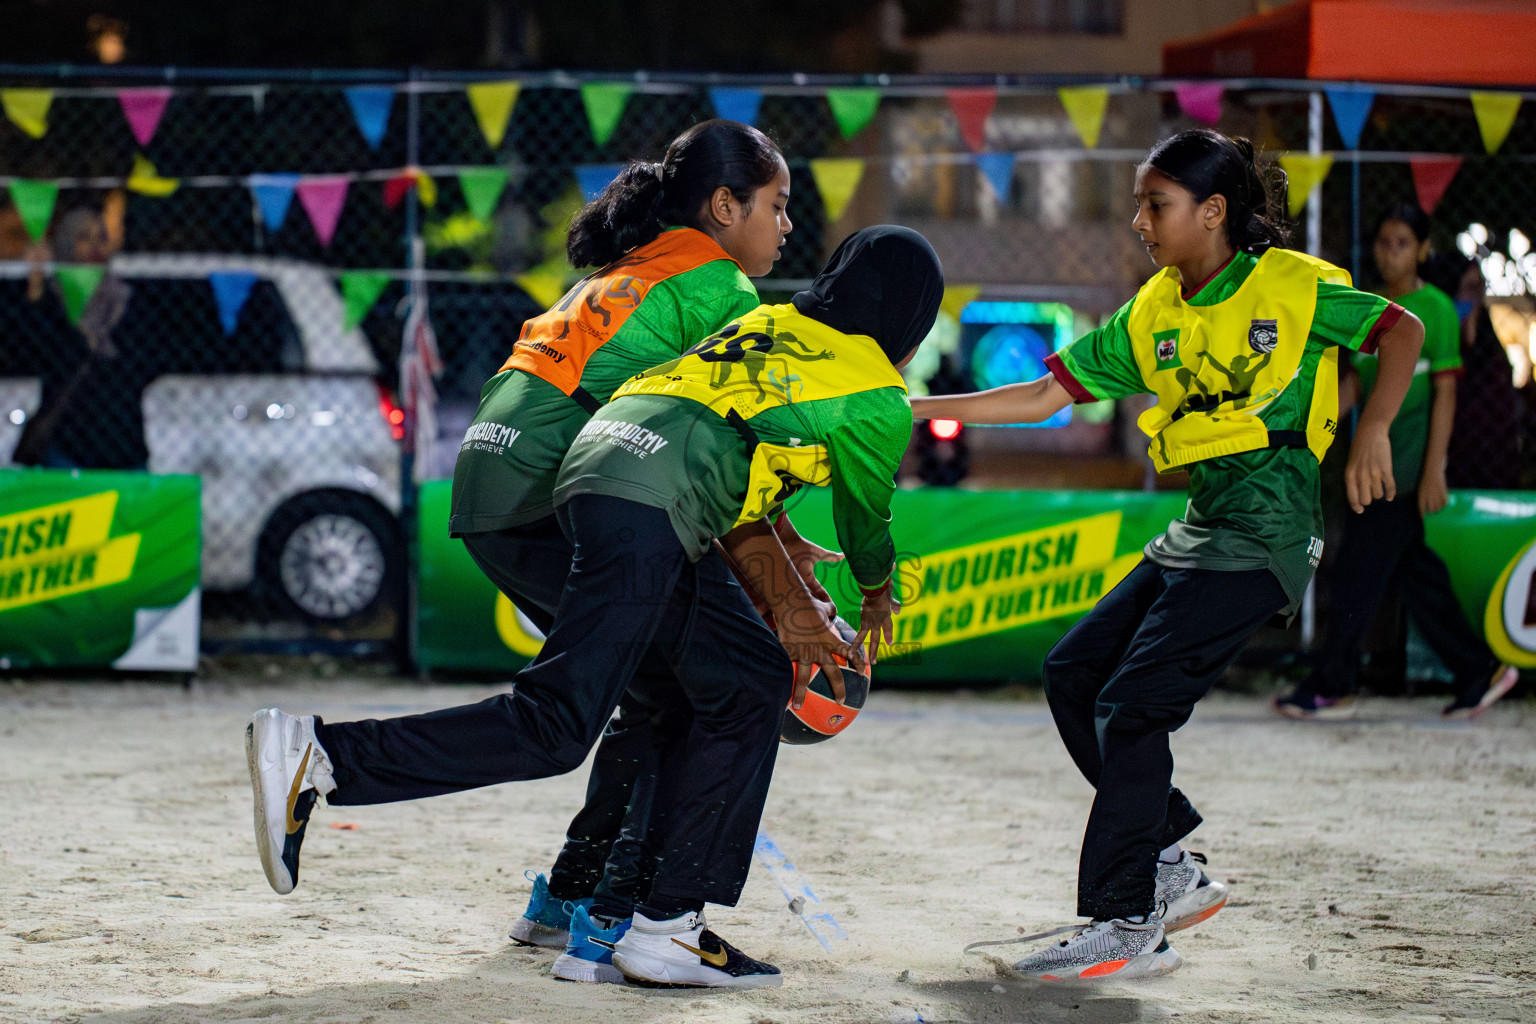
332 557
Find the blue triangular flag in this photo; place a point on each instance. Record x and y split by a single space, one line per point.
998 169
1350 108
593 178
370 106
230 290
274 193
736 104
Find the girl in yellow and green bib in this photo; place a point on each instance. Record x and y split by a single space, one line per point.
1238 340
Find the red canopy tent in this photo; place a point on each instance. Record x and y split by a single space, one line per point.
1463 42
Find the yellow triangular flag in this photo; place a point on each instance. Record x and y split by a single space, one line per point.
492 103
146 181
1303 173
1085 106
1495 116
546 288
28 109
957 297
837 179
426 188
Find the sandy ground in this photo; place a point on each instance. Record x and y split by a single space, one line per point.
1381 871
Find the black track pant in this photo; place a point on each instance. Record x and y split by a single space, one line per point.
529 564
1118 683
630 584
1382 546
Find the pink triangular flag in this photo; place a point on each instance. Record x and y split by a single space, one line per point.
142 108
1431 177
322 199
1200 100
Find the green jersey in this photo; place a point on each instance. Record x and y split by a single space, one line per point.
1257 509
728 433
1441 354
510 456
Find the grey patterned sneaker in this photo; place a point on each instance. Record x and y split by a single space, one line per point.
1190 897
1103 949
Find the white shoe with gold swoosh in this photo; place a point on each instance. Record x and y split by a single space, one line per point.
289 769
682 952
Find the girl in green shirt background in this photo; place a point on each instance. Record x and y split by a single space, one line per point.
1385 544
1209 336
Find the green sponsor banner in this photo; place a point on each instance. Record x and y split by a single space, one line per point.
99 569
1488 541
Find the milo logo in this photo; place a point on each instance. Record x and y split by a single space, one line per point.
1509 622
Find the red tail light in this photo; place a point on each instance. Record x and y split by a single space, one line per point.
392 413
944 430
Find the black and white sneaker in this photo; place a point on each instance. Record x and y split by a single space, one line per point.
683 953
1190 897
289 769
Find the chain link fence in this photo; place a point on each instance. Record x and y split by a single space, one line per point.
226 293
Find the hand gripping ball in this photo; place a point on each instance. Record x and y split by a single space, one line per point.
822 717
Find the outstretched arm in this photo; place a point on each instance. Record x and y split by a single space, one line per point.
1033 402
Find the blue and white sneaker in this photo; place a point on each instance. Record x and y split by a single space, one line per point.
588 960
547 921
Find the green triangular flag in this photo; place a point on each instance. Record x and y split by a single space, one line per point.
482 188
605 103
78 283
853 109
360 289
34 201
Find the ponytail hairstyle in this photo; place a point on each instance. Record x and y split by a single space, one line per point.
1406 213
1207 163
647 198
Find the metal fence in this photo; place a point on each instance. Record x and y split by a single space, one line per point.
213 272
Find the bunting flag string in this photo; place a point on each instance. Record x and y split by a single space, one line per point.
853 109
482 188
593 178
323 199
146 181
1495 112
837 179
231 289
604 103
957 297
1304 172
997 170
371 105
35 201
736 104
1431 177
492 103
971 108
274 194
28 109
1086 106
544 286
360 289
1350 109
78 282
143 108
1200 100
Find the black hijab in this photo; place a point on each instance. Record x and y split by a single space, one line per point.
884 282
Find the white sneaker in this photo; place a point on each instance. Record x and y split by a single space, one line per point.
1190 896
289 769
683 952
1103 949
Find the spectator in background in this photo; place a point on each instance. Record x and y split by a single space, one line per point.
78 426
1485 440
1385 544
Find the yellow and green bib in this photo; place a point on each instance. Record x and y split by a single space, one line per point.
767 359
1215 368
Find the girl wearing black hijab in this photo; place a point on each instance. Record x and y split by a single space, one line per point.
707 446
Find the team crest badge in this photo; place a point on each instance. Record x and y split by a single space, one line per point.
1166 348
1263 336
